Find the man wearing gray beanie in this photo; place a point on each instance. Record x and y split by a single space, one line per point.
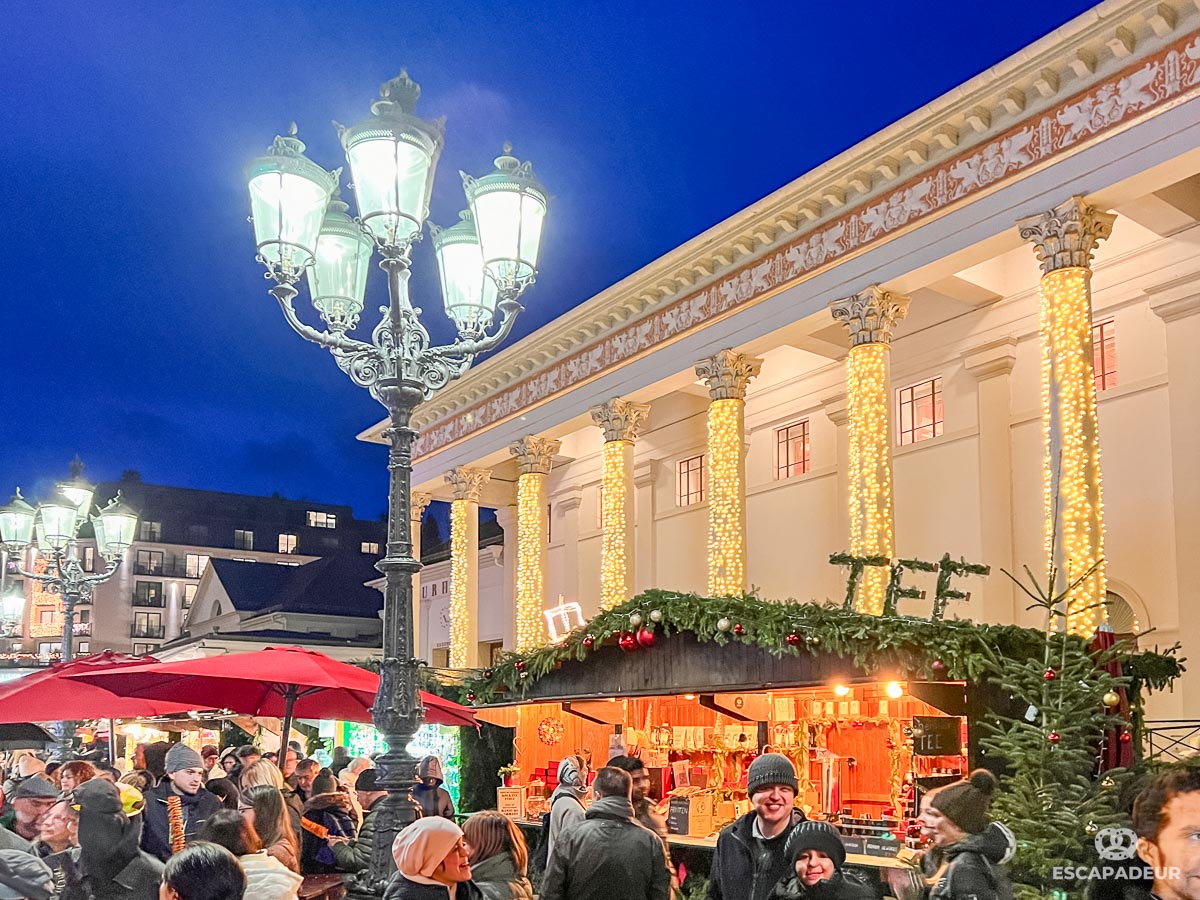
179 806
751 853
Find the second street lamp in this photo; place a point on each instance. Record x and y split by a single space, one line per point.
486 261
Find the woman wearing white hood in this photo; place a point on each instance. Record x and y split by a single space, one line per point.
566 803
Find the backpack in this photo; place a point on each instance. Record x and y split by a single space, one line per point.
541 853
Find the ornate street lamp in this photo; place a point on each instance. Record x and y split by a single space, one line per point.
485 262
56 524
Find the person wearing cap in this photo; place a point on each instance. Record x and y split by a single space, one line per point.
24 877
209 753
750 858
31 801
177 808
817 855
354 856
432 863
22 765
111 866
969 851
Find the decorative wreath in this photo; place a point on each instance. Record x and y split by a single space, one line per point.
550 730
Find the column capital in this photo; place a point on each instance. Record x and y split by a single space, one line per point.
534 455
993 358
870 315
467 482
621 420
1067 235
419 500
1176 299
728 374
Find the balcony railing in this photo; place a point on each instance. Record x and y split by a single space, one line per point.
82 629
167 568
154 602
152 632
1172 739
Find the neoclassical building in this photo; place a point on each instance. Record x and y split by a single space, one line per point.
974 333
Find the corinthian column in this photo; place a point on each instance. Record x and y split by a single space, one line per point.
534 456
1064 239
621 421
870 316
728 374
464 565
417 505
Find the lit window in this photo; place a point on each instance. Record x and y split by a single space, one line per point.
149 562
287 543
243 539
318 519
1104 354
371 547
791 450
921 411
248 559
144 649
150 531
284 562
89 559
194 565
189 594
690 481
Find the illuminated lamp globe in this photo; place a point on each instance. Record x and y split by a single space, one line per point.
78 490
509 205
56 522
337 280
289 194
468 294
115 527
392 156
16 523
894 690
12 606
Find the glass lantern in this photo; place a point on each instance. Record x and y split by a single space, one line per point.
56 521
509 206
115 527
469 295
16 523
337 280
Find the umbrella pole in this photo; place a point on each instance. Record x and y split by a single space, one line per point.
112 742
289 703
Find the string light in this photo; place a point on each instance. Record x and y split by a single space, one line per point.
531 568
614 561
1071 460
459 571
562 618
726 490
870 467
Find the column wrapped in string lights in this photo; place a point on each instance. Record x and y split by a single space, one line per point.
464 565
1064 239
870 316
416 511
535 456
621 420
728 374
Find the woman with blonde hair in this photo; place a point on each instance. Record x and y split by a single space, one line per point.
261 772
499 857
263 807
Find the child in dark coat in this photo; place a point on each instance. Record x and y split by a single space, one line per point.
817 855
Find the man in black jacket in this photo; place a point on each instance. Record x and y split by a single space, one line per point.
750 857
609 854
177 808
110 865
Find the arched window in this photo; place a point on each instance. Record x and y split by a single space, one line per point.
216 609
1121 617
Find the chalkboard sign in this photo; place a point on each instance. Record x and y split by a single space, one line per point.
937 735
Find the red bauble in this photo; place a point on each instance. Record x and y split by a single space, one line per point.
589 641
470 696
487 674
645 637
739 629
795 639
938 667
1126 737
1049 674
1054 737
627 642
890 744
520 665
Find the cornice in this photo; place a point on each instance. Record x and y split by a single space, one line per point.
1121 61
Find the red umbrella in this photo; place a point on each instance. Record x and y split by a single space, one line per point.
285 682
46 696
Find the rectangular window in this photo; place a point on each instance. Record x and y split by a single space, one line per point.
433 589
148 593
287 543
690 481
791 450
189 594
147 625
1104 354
83 648
195 564
89 559
317 519
197 534
47 617
243 539
286 562
49 648
144 649
149 562
920 411
371 547
248 559
150 531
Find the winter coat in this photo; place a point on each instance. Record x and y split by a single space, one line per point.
156 832
434 801
745 867
325 816
10 840
498 879
356 855
971 868
840 887
285 852
269 879
609 854
400 888
566 805
294 806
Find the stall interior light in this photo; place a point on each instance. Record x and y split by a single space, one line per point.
894 690
689 696
841 690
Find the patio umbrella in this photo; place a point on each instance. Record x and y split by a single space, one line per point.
24 736
286 682
47 696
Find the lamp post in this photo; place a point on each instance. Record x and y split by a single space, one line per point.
56 522
485 261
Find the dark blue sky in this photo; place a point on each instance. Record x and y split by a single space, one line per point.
136 326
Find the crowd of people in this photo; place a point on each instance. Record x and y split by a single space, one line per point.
187 825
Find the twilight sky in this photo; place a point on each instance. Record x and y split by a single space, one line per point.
136 326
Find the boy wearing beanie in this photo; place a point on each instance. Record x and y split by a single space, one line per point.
177 808
968 851
751 858
817 855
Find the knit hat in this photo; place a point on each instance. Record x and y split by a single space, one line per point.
420 848
769 769
23 875
367 780
965 803
35 787
813 835
181 756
